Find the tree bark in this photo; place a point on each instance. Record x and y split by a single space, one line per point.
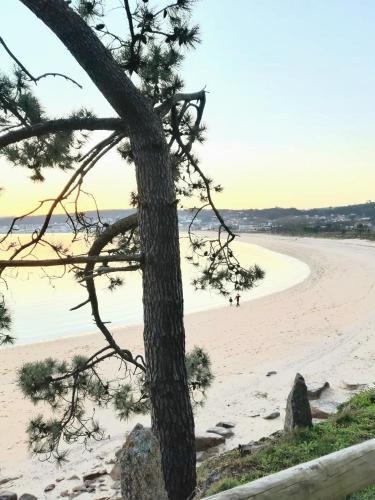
164 336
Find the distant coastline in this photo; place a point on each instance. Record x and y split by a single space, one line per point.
348 220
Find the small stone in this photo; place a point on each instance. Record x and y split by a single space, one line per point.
81 488
262 440
27 496
50 487
220 431
8 495
272 416
94 475
75 494
64 493
247 449
269 374
111 461
254 415
8 479
274 436
116 485
319 414
73 478
315 391
324 410
226 425
354 387
59 479
203 443
211 452
260 394
116 472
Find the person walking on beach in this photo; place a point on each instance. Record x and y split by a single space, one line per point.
238 300
230 301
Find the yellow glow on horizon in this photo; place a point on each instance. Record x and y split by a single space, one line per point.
111 184
290 177
251 179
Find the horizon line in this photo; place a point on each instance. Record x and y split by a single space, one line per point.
369 202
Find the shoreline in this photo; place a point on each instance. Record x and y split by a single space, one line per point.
321 327
282 272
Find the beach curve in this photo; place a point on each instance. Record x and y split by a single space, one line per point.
321 327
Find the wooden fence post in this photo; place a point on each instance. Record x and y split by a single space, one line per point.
331 477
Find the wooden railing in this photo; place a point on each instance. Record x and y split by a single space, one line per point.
331 477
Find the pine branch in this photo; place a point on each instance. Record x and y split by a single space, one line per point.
119 227
166 106
94 156
35 79
84 259
60 125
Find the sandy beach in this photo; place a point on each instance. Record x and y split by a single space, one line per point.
322 328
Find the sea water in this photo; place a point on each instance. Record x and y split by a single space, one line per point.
40 300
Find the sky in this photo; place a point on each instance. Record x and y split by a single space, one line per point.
290 110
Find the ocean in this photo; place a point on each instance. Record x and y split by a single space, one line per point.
40 300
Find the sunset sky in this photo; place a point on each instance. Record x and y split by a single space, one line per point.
290 111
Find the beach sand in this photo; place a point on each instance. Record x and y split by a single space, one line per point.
323 328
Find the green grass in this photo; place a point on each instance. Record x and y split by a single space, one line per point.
353 423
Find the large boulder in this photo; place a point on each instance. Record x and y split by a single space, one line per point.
141 472
298 412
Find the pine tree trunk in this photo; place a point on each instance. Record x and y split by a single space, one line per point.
164 336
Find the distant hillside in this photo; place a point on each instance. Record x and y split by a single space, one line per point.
37 220
361 210
270 214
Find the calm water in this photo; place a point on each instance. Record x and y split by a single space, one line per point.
40 306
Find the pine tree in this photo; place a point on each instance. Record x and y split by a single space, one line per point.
5 325
155 129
